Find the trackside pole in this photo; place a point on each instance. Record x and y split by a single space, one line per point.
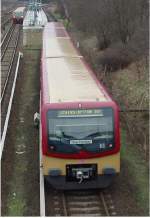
42 192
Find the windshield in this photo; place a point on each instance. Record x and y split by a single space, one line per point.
18 14
70 131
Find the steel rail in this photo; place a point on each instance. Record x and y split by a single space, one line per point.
5 36
104 204
8 41
82 203
10 67
64 204
6 21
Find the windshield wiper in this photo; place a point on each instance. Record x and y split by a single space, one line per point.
67 136
60 136
55 138
100 135
63 143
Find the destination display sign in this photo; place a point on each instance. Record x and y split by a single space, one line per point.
80 113
79 142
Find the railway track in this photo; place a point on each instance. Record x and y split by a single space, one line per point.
8 62
79 203
5 40
6 23
5 29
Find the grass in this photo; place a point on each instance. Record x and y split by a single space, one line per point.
138 172
16 198
18 183
16 205
130 87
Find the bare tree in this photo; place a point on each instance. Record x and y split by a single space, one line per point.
102 23
109 20
125 13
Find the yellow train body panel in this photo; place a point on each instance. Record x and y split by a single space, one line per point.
111 161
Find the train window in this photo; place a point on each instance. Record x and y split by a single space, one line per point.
91 130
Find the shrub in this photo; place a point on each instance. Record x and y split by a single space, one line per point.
114 59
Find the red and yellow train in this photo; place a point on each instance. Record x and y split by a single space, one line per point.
18 15
79 121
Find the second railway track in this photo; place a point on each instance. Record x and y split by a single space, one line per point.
8 62
79 203
6 23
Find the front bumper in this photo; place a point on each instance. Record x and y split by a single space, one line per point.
60 183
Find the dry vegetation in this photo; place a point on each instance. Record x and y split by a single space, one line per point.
113 37
119 25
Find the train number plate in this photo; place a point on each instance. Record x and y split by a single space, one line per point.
89 171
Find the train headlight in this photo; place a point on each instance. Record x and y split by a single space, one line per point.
52 148
109 171
54 172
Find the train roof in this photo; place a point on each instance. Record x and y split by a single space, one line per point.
66 77
20 9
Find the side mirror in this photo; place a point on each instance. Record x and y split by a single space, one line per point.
36 120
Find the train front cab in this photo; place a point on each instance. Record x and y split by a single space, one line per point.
85 159
18 16
17 20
